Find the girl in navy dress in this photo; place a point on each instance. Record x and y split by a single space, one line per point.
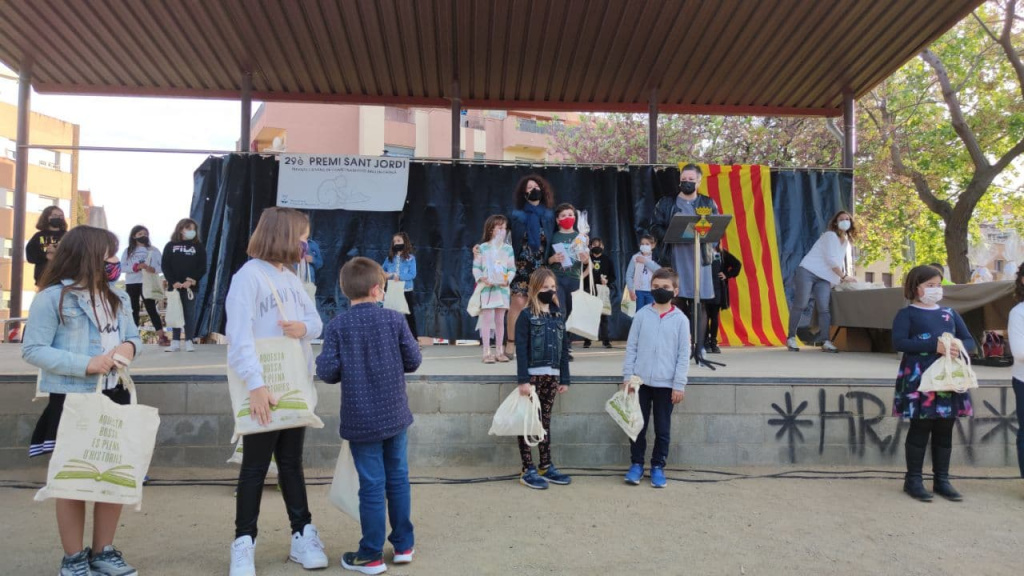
915 332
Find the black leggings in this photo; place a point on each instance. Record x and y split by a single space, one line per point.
939 429
257 449
135 294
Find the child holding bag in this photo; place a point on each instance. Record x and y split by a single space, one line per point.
638 273
542 356
369 350
184 264
493 267
400 265
138 258
915 332
252 311
79 322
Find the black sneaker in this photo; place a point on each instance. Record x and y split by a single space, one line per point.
713 348
351 561
586 344
607 344
554 476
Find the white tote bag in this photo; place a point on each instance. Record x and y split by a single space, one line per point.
103 449
624 408
949 373
286 374
344 494
519 415
394 297
585 319
174 313
628 305
606 299
152 286
473 308
307 280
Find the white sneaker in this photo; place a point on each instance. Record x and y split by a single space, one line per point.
190 346
308 550
828 346
174 347
792 344
243 557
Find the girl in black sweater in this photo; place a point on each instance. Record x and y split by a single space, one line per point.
184 263
43 244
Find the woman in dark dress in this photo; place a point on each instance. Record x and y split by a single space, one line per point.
531 223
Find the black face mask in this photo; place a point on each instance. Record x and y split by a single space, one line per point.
546 297
597 251
142 240
398 247
56 222
534 195
661 295
687 188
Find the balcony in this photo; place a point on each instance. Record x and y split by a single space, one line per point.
525 133
474 122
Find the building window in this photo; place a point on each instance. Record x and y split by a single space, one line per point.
887 279
869 277
403 151
38 203
404 115
532 126
479 156
474 122
1000 264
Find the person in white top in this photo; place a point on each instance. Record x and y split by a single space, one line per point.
822 268
1015 331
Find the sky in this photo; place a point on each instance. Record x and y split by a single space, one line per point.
151 189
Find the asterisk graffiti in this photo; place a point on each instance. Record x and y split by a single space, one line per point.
790 423
1002 422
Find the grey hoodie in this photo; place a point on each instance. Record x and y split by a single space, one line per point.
658 349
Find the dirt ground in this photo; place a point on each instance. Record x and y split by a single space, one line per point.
734 521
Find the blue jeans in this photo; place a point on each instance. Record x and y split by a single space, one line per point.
1018 391
807 283
383 476
658 401
643 298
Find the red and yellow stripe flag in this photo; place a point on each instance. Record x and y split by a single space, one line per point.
758 314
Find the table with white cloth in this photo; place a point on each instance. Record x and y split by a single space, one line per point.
984 306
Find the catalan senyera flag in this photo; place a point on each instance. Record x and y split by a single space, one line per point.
758 314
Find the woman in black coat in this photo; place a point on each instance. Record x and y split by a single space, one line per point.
724 267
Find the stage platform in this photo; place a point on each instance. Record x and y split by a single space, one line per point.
768 406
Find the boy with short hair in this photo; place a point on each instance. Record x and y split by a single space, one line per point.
369 349
658 352
639 272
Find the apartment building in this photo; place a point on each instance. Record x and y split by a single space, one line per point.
52 180
400 131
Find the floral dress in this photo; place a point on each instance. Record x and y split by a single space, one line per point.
527 261
492 262
916 332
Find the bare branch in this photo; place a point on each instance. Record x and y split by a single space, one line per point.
960 126
985 26
1010 156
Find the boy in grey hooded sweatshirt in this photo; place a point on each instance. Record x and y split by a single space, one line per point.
658 352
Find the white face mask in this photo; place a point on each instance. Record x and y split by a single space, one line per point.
932 295
844 225
189 234
645 248
499 236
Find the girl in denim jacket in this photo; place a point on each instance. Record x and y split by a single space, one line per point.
78 324
542 355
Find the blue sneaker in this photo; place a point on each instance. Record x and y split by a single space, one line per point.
658 477
531 479
635 474
554 476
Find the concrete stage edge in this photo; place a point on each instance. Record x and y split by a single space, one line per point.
767 407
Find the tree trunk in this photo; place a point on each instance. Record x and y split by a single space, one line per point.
957 227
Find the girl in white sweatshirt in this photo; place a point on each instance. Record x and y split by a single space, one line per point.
1015 329
252 312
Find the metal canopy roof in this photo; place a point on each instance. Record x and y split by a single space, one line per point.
770 57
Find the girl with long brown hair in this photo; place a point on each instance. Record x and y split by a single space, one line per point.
40 248
493 269
257 290
400 265
139 258
77 324
542 356
184 265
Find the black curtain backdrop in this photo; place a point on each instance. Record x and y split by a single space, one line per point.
444 214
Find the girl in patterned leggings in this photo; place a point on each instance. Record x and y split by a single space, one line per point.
542 355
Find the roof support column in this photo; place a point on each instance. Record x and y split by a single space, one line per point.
456 121
849 130
652 127
20 188
246 134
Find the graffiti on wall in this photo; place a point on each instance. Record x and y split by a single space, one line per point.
864 421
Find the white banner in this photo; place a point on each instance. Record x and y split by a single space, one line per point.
321 182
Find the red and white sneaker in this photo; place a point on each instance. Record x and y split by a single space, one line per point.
404 557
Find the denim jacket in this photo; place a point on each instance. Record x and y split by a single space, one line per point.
62 351
542 341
